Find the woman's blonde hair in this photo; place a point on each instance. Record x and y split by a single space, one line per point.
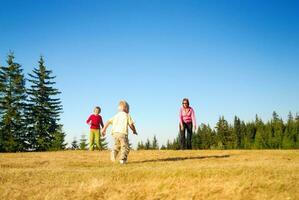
124 105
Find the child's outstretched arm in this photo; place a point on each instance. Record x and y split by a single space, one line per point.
105 127
88 120
132 127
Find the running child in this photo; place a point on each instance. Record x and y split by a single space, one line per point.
120 123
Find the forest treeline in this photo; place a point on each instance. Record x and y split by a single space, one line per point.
29 109
273 134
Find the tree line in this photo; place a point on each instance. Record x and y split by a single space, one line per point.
29 113
30 120
273 134
83 144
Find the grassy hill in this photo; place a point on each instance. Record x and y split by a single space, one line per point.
264 174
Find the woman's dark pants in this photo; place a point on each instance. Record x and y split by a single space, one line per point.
186 127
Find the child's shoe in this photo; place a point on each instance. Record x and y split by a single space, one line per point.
122 162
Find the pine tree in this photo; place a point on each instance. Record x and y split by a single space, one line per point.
196 139
175 145
75 144
261 135
83 142
206 137
168 144
237 133
140 146
243 135
155 144
12 106
58 140
250 134
103 143
224 134
297 131
147 145
277 126
2 92
289 137
44 108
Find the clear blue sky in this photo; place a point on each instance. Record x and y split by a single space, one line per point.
228 57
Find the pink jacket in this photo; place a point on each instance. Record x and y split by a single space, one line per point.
188 116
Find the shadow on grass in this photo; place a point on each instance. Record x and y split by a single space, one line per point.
181 158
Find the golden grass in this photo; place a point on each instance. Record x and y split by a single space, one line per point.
264 174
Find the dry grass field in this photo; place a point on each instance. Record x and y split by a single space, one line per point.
265 174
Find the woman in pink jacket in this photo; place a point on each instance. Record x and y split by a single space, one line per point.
187 123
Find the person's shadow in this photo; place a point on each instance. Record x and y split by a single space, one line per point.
181 158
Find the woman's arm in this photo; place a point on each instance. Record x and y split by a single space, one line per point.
181 119
193 119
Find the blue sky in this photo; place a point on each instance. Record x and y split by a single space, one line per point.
228 57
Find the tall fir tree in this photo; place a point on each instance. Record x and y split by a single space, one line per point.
196 139
289 136
224 134
250 134
83 142
74 144
297 131
58 140
44 109
140 146
147 145
276 137
12 107
237 133
155 144
168 144
207 137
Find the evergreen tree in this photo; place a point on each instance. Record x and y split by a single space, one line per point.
155 144
75 144
237 133
261 135
243 135
140 146
175 143
276 136
163 147
58 140
224 134
83 142
168 144
103 143
43 110
148 145
196 139
207 137
12 106
297 132
289 137
250 134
